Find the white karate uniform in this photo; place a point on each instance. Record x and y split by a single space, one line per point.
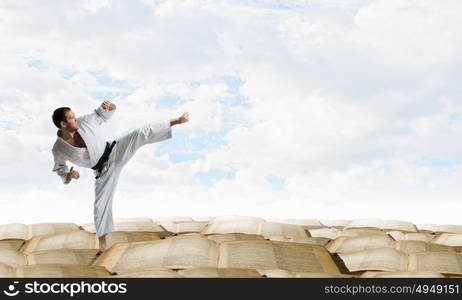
123 150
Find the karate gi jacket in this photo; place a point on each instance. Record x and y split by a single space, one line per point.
83 157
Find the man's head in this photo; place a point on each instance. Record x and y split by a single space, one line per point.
64 118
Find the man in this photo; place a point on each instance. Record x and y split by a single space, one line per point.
78 142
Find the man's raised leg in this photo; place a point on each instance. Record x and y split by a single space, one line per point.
152 132
128 144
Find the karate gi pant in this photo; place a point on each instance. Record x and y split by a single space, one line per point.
123 151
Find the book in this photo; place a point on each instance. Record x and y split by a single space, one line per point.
362 232
286 230
345 244
176 252
329 233
49 228
26 232
449 239
57 256
183 227
14 231
264 254
307 240
416 236
256 227
432 228
234 237
354 244
203 219
76 239
383 259
62 256
390 259
376 223
242 226
421 246
115 237
130 226
11 244
443 262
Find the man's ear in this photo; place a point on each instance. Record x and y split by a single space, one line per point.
63 124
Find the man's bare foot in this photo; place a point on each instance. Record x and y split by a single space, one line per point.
102 242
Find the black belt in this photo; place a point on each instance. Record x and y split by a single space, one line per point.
103 158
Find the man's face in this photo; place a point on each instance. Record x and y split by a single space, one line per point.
71 122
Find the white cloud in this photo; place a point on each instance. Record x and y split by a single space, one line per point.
412 34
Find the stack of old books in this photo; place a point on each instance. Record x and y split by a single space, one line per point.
231 247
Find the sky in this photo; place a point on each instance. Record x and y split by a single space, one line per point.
298 109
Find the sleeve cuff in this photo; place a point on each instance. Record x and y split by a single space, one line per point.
65 180
169 129
104 114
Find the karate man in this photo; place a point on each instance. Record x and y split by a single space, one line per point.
78 142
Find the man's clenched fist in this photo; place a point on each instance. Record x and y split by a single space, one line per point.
73 174
106 105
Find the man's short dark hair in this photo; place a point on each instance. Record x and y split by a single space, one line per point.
60 115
